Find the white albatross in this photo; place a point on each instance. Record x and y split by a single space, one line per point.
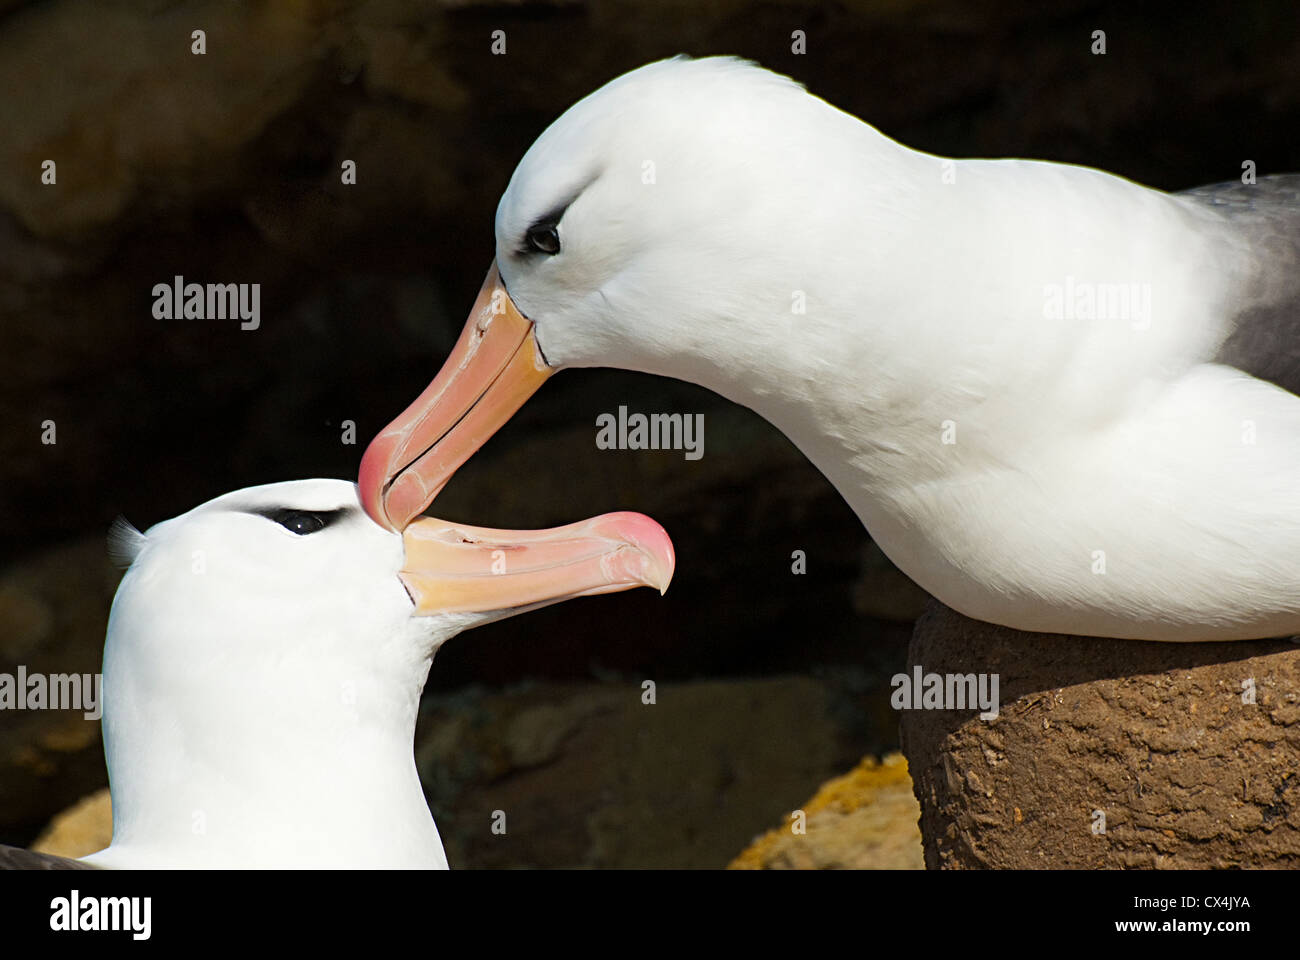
1058 400
264 661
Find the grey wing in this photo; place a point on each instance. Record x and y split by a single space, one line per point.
1265 340
16 858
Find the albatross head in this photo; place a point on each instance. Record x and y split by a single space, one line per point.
661 224
265 657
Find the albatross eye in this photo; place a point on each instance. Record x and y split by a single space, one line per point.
301 522
544 238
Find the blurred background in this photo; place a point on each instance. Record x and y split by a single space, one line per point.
225 167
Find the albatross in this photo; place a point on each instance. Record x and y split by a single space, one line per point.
264 660
1058 400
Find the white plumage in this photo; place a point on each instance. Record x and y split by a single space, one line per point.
921 329
264 663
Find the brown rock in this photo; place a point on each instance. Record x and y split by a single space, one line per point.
1156 742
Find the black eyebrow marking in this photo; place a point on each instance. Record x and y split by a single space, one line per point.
553 217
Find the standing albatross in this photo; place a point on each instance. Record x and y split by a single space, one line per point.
1058 400
264 661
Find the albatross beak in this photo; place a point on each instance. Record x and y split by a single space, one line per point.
455 568
495 366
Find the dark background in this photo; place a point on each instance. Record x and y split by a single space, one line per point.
225 168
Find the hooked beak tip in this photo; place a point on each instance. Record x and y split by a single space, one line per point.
452 567
372 479
653 543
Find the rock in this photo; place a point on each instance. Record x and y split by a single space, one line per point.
863 820
1159 743
82 829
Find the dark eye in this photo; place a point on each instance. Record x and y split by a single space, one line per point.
301 522
544 238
